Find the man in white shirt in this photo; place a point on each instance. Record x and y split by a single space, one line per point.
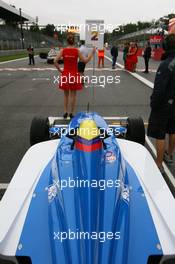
85 52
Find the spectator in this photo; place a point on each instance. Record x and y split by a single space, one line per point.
131 59
125 52
70 80
162 117
147 56
114 54
101 54
30 51
85 52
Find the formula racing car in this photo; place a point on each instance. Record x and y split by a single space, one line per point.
87 192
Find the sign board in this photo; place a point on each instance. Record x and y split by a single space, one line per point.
156 39
94 33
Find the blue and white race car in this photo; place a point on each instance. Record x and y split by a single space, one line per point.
86 193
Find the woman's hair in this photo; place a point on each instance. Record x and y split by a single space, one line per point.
70 39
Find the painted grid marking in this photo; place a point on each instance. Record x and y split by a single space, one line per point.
27 69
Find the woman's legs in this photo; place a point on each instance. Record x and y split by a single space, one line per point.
73 94
72 99
66 100
99 62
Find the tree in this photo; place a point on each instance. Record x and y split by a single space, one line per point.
133 27
130 28
107 37
143 25
62 36
34 28
49 30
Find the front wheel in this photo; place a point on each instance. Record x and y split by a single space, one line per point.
39 130
136 130
50 61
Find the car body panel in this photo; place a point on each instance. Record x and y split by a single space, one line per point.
52 55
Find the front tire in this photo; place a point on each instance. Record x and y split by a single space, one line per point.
136 130
39 130
50 61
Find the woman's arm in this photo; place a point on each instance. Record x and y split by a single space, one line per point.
86 60
129 51
58 57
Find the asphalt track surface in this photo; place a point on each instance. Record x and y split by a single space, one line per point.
28 91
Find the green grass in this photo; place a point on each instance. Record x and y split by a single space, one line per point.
15 56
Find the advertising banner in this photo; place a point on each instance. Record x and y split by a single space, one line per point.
156 39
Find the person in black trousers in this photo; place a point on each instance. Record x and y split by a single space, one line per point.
30 51
114 53
147 56
162 117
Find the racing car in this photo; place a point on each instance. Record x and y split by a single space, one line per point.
52 55
87 192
